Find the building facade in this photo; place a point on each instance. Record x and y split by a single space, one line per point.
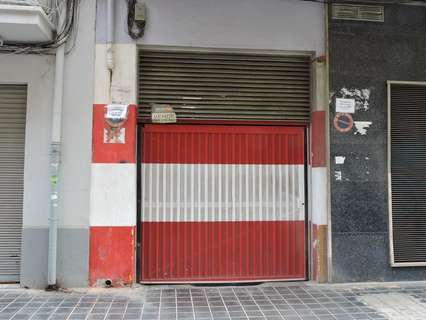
376 59
234 141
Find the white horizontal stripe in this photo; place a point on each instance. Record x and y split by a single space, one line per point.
319 196
113 195
220 192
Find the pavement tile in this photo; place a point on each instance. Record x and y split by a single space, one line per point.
271 302
96 317
40 316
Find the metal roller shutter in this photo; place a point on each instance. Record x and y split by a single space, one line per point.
222 203
408 173
13 99
225 86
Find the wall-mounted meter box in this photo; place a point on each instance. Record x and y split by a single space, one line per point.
140 11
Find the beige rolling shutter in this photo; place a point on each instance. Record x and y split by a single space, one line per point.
13 99
225 86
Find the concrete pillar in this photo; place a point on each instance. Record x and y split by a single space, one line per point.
113 188
319 175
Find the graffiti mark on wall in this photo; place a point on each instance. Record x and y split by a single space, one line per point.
361 127
338 175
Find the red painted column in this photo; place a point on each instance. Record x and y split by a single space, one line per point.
319 197
113 203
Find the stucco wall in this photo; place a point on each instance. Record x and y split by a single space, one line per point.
74 204
38 73
272 24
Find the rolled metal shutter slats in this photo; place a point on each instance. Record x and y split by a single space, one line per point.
225 86
408 168
12 143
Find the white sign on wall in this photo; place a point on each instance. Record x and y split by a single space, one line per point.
345 105
162 114
116 112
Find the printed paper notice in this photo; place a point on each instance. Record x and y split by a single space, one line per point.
345 105
116 112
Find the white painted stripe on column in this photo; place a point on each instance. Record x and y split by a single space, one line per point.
280 189
287 186
254 192
276 192
148 188
113 194
319 195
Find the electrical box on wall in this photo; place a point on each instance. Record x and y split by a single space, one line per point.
140 11
24 24
136 19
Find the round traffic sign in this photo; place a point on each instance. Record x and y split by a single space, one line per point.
343 122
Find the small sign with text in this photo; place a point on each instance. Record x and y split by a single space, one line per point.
162 114
345 105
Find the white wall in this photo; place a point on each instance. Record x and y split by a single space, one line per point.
74 184
74 204
38 73
256 24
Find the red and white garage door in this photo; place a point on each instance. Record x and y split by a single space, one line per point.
222 203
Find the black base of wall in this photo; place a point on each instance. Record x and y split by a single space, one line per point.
359 257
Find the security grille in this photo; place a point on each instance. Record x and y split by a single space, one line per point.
407 151
13 100
225 86
358 12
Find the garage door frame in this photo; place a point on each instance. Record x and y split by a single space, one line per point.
392 224
303 124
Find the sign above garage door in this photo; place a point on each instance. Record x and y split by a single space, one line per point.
225 86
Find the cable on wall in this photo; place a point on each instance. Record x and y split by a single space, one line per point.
136 18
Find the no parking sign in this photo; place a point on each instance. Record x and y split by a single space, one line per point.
343 122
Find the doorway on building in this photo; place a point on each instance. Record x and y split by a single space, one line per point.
13 101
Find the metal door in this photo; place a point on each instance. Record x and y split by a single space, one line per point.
13 99
222 203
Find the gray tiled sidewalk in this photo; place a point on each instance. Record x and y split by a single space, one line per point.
271 301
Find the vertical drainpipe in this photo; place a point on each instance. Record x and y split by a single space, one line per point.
55 157
110 41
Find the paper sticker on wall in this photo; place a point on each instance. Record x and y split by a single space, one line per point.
360 98
338 175
115 117
345 105
361 127
339 159
114 135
